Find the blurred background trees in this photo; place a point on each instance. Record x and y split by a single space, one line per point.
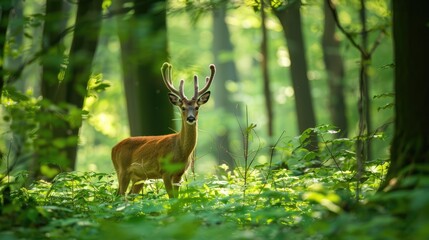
290 18
88 75
142 31
223 58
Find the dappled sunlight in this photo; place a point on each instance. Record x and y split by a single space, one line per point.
283 94
283 57
105 123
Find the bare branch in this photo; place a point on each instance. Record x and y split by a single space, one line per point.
347 34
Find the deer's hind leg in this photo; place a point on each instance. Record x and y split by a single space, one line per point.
123 180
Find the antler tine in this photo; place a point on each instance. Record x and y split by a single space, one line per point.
196 93
208 80
181 89
166 72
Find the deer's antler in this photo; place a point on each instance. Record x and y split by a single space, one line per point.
166 72
209 80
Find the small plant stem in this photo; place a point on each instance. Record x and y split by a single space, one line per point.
246 153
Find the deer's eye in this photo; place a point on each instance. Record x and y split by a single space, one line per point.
183 108
196 108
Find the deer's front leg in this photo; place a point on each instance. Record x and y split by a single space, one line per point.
176 184
168 183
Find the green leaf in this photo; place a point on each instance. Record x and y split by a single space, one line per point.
14 95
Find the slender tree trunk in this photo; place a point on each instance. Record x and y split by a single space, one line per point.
265 74
226 72
290 19
52 60
16 34
410 145
143 40
363 143
79 69
335 72
6 6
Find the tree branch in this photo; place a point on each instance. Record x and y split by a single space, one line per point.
347 34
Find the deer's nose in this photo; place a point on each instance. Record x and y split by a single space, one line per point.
190 119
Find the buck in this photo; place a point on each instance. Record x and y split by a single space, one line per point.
168 156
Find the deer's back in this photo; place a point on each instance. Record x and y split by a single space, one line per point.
142 155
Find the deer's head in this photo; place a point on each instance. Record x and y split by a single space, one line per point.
188 107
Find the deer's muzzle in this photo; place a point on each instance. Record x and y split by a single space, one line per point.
191 119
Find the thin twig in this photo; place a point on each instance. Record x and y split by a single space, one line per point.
332 156
377 42
273 148
347 34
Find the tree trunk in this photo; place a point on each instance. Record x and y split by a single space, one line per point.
143 40
290 19
6 6
226 72
51 61
335 73
265 74
16 33
363 143
74 85
410 145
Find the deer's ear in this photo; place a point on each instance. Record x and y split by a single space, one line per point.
174 99
203 98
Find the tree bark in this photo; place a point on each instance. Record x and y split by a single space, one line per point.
265 73
226 72
335 73
52 60
143 40
6 7
363 143
410 145
290 19
79 69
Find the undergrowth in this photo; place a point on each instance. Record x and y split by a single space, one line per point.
284 199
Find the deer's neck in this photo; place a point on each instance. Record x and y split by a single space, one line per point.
188 137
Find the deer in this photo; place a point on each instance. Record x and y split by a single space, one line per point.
165 157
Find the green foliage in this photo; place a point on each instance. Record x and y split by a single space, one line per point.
84 206
291 194
96 85
268 202
34 125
